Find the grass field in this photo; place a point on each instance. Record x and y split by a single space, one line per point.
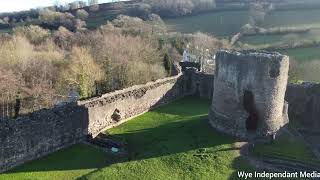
280 38
303 54
101 18
288 148
7 30
171 142
297 17
223 23
227 23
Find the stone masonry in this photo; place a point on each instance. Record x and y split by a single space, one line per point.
249 93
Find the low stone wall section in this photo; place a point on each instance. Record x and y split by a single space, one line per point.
112 109
40 133
199 84
304 104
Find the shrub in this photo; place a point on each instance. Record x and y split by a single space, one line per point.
136 26
10 84
204 5
56 19
82 71
64 38
171 8
94 8
168 64
82 14
34 34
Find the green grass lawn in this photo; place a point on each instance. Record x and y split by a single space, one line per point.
288 148
171 142
69 163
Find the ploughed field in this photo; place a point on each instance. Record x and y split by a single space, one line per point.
171 142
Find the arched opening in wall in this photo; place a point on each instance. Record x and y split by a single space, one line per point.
249 105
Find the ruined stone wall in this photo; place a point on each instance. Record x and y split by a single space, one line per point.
199 84
40 133
45 131
112 109
261 75
304 105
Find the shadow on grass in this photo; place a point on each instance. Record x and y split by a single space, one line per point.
187 131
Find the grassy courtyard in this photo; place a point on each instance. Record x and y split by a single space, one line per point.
171 142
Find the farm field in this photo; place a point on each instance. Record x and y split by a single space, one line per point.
297 17
227 23
101 17
280 38
303 54
5 30
224 23
171 142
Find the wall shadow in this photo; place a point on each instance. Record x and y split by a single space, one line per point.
187 132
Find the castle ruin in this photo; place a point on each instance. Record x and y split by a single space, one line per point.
248 99
248 96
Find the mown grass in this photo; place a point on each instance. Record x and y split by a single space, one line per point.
70 163
289 148
171 142
174 142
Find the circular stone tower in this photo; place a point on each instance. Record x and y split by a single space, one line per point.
249 92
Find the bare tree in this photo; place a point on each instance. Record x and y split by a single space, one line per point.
82 14
258 11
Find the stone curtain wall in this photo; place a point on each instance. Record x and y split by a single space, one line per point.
199 84
40 133
304 104
115 108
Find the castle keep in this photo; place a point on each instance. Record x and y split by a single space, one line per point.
249 93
